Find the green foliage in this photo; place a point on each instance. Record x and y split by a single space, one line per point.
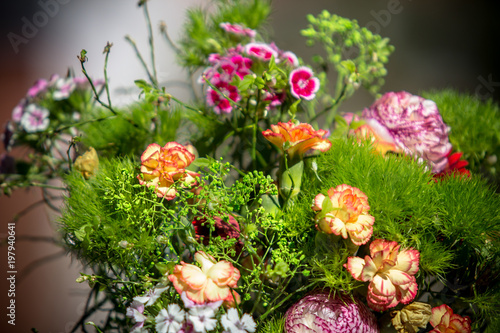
358 55
203 35
475 129
132 130
275 325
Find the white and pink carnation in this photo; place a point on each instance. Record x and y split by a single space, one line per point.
390 273
415 124
324 312
303 84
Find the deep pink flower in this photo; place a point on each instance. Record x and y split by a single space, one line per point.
390 273
238 29
416 126
445 321
303 84
261 51
219 102
322 312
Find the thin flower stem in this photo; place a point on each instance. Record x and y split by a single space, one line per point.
331 107
47 186
107 49
141 59
151 44
163 30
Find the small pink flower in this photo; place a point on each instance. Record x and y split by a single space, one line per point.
290 58
212 282
303 84
445 321
261 51
238 29
219 102
17 112
38 88
346 214
162 167
63 88
390 273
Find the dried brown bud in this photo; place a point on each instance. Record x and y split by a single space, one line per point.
411 317
88 163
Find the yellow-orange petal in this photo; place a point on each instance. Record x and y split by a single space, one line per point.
355 266
193 276
221 273
214 293
438 313
151 150
318 202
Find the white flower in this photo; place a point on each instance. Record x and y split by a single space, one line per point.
139 328
135 310
233 324
64 88
202 318
35 119
170 321
151 295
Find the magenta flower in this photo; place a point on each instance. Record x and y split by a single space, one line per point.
237 29
303 84
261 51
415 124
39 87
35 119
219 102
322 312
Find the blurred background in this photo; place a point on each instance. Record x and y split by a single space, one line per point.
439 44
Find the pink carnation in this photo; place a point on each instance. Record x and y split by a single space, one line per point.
261 51
415 124
221 104
390 273
237 29
303 84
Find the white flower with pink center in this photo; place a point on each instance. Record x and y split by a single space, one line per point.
35 119
218 101
261 51
63 88
238 29
303 83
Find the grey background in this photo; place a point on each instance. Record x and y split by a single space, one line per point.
438 44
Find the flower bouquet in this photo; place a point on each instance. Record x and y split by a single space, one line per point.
258 206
